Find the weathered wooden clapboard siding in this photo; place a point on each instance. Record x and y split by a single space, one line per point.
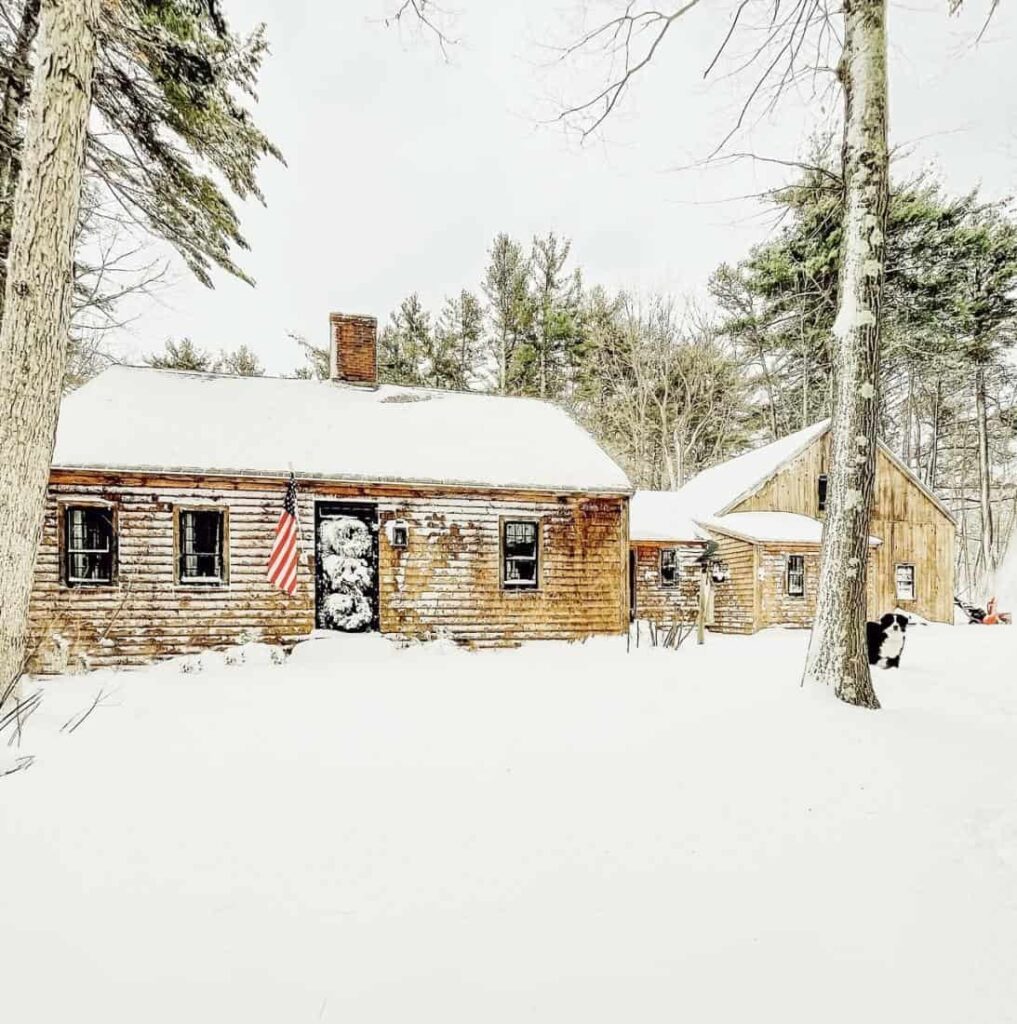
776 606
735 601
656 602
912 527
446 582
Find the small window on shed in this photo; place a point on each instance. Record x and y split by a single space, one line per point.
821 492
669 568
89 545
904 576
519 554
795 583
200 538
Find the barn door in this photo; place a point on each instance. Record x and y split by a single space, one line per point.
346 566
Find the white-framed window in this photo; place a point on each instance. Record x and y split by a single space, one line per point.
904 579
795 576
520 554
89 545
201 545
670 570
821 488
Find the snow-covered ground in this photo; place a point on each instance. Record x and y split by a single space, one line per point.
552 834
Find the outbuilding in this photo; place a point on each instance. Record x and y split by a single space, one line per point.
763 513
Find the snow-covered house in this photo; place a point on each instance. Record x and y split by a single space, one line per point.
422 513
764 511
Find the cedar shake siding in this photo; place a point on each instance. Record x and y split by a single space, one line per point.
913 528
447 580
654 600
735 600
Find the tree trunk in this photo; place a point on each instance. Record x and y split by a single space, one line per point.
930 475
837 651
33 336
15 92
987 547
905 445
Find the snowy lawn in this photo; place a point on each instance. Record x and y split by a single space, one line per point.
554 834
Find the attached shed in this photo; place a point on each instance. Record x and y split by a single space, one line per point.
765 512
485 519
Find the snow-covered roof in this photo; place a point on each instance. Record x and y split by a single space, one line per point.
661 516
139 418
771 527
717 489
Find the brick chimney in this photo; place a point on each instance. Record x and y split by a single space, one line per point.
353 342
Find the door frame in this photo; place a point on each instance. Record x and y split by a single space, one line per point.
367 511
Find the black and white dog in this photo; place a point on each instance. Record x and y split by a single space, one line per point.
886 640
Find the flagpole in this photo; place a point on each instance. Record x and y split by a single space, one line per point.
296 515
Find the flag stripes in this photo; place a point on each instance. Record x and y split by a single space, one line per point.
282 562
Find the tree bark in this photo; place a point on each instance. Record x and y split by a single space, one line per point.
33 336
15 92
837 651
987 546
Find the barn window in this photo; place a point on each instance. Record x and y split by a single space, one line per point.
520 554
669 570
821 492
89 544
904 576
200 535
795 583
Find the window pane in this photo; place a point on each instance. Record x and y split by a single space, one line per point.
89 545
201 538
822 492
668 566
521 539
519 554
905 578
796 575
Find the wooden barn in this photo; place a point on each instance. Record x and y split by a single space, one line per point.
422 513
764 512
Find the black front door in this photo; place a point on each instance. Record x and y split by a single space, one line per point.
346 566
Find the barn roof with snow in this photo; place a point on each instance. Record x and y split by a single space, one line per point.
149 420
708 499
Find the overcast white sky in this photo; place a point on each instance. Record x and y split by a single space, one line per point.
401 168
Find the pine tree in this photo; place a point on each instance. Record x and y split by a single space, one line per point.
33 335
180 355
404 343
455 344
169 122
510 309
550 353
241 362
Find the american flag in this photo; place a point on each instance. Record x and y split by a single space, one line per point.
282 563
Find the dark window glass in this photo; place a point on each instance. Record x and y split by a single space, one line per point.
89 545
669 567
201 544
821 493
519 554
796 575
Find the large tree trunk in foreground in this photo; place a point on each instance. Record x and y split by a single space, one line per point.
33 336
837 653
987 545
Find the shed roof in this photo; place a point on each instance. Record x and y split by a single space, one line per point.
771 527
662 516
716 489
150 420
